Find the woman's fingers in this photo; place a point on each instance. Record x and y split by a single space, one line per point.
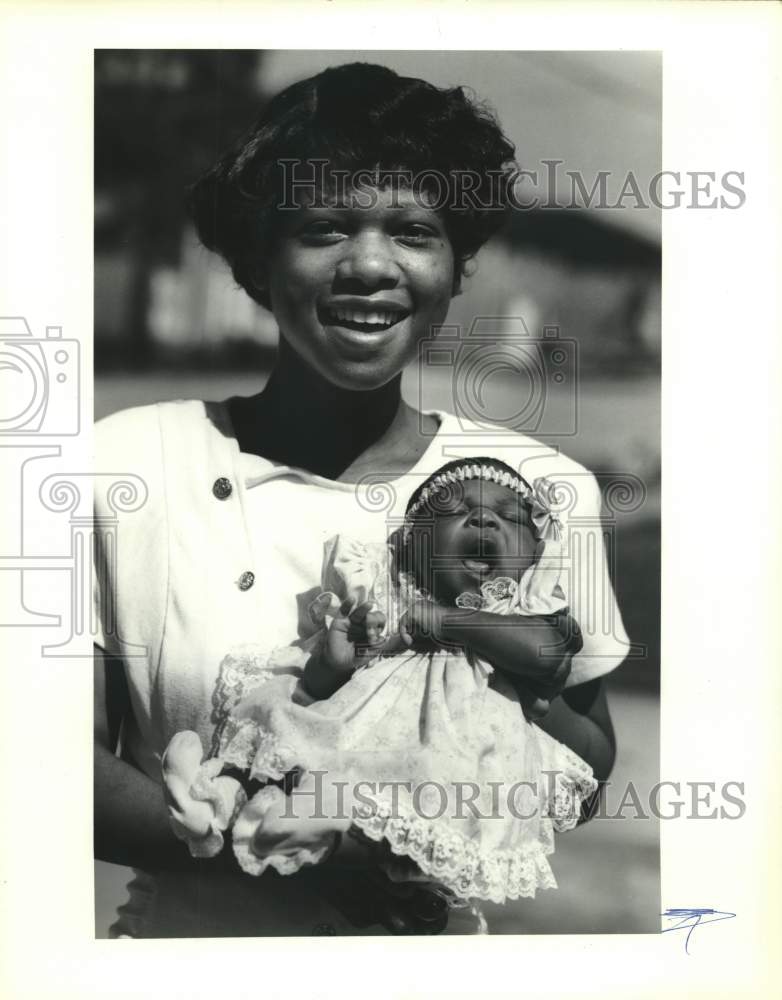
536 708
410 909
535 702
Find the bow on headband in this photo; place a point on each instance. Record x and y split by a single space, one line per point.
545 517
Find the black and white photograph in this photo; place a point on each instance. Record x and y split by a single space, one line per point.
377 336
388 431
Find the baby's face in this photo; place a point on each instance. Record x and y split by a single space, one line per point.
481 530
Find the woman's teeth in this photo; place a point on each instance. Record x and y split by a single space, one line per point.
379 319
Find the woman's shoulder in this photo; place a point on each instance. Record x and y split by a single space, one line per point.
139 429
141 421
162 447
532 457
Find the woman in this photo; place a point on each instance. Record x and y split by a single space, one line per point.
357 255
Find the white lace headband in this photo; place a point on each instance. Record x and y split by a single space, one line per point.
547 521
487 472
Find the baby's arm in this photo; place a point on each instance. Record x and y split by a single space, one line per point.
536 650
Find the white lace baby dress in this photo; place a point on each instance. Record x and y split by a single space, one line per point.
431 749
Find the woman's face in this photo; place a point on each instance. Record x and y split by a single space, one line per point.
356 285
479 530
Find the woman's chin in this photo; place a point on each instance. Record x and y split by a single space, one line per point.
362 375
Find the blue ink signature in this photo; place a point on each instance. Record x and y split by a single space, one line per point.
690 919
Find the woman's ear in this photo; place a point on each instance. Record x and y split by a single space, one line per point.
259 289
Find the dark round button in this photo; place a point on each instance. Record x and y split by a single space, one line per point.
246 580
323 930
222 488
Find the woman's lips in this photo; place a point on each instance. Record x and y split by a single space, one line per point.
358 339
358 344
367 320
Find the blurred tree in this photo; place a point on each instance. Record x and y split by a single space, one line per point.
161 118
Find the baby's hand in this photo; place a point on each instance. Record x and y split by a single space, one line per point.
422 622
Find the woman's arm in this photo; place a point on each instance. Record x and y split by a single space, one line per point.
581 720
130 815
132 828
537 654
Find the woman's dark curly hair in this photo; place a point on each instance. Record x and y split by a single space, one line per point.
357 117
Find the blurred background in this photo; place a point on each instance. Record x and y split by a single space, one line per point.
170 323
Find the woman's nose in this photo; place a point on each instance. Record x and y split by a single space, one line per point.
368 262
482 517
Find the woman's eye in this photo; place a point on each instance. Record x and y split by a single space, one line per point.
416 234
322 231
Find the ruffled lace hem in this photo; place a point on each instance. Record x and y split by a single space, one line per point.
438 850
566 787
261 753
247 824
201 803
454 861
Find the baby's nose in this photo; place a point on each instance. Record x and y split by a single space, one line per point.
482 517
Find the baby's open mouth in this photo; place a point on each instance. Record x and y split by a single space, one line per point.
362 320
478 566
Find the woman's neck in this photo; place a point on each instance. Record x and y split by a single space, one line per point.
302 420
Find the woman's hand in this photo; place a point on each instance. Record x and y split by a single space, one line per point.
371 885
537 693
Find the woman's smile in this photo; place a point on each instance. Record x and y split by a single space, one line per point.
359 340
365 315
362 327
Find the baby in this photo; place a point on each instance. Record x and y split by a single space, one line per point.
422 737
